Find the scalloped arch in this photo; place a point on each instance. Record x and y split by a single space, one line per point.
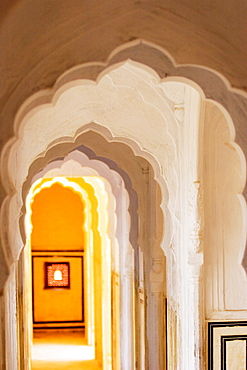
151 58
213 84
208 89
66 146
161 64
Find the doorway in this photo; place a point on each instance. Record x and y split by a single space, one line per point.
67 267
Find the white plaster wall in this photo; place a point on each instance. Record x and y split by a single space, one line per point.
225 218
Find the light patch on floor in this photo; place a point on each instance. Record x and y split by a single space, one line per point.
62 350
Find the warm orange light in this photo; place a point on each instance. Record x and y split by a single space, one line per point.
93 198
57 218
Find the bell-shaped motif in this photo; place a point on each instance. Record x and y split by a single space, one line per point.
58 275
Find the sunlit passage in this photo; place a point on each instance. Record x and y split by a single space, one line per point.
62 349
66 239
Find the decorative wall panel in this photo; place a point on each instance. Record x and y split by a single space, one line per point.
58 294
57 275
227 345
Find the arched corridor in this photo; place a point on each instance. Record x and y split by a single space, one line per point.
138 153
122 275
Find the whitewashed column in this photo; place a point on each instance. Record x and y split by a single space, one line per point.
192 304
155 285
195 276
127 321
156 333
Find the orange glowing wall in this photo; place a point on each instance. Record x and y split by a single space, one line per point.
57 219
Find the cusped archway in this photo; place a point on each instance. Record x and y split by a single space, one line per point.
162 112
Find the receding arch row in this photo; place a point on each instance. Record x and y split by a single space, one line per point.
211 83
100 164
82 154
38 99
118 230
151 57
93 141
165 151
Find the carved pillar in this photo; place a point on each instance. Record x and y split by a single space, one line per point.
195 299
156 316
189 251
127 322
156 266
195 276
140 322
195 201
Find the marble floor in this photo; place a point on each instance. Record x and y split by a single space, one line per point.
63 350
